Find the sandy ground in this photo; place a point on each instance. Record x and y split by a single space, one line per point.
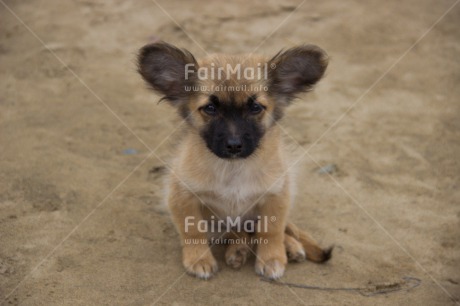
80 220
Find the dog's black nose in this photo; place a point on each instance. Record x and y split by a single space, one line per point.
234 145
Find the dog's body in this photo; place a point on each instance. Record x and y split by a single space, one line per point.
232 162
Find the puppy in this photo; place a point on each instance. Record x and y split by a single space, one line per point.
230 178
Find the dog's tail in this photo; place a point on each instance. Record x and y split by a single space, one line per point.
312 249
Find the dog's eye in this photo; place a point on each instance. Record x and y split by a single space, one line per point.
210 109
255 108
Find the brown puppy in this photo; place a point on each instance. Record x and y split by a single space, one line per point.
230 178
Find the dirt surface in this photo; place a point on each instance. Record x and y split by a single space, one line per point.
81 221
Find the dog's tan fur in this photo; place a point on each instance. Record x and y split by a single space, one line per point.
205 186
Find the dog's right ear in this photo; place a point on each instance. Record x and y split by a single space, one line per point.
169 70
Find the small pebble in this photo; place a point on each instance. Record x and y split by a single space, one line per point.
129 151
328 169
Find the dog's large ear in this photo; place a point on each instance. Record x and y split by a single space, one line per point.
169 70
295 70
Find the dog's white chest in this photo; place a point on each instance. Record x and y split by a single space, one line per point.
237 189
237 184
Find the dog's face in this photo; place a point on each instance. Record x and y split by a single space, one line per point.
231 101
232 126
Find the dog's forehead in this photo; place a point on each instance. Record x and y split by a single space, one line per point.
223 60
233 98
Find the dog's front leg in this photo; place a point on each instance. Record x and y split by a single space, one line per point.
187 215
271 253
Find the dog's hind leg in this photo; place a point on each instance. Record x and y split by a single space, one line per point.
312 249
294 249
238 250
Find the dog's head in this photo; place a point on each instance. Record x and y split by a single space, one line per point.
231 101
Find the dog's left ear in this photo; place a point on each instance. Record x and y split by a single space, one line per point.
295 70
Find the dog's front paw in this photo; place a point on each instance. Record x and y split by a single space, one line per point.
203 268
272 269
271 260
200 262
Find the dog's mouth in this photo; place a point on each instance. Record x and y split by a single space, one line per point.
235 156
231 156
226 154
